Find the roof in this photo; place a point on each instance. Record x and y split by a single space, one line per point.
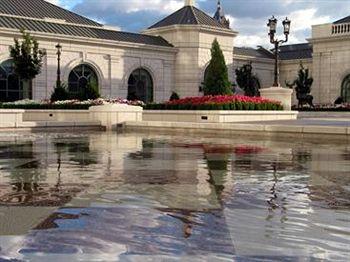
298 51
252 52
35 15
41 9
343 20
80 31
188 15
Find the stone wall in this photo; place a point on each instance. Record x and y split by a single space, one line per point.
331 60
262 68
113 63
193 44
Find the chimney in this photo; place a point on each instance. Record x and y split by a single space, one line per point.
189 2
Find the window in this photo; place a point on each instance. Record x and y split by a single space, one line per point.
80 77
345 89
11 88
140 86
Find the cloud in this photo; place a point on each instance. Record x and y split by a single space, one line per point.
249 17
130 6
304 19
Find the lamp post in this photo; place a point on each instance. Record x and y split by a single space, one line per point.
276 92
272 24
59 52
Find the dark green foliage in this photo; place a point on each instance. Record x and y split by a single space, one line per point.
90 92
247 81
302 84
174 96
27 57
60 93
216 80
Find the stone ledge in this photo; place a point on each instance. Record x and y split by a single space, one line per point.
325 130
216 116
261 128
224 112
12 111
41 124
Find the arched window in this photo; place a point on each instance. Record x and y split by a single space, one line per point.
11 88
345 89
140 86
80 77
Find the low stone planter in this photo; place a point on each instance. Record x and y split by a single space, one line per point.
112 115
56 115
11 118
216 116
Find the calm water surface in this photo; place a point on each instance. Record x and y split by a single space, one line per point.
143 197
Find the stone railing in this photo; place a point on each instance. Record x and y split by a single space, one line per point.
340 29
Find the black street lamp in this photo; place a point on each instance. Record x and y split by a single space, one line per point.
273 29
59 52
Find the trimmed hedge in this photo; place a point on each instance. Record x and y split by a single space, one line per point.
215 106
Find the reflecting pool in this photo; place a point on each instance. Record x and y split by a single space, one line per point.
96 196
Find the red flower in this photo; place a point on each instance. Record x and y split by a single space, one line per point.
222 99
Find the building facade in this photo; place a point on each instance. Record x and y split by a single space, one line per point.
171 55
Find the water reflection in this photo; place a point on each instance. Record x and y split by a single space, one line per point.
127 195
27 168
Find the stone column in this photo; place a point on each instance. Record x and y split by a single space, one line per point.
284 95
114 77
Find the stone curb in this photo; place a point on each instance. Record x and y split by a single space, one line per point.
321 130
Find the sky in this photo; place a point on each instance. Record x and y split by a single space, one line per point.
248 17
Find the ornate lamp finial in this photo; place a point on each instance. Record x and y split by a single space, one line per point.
189 2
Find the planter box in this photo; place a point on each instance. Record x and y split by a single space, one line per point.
216 116
56 115
11 117
110 116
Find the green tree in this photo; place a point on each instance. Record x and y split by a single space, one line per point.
27 60
247 81
302 86
216 80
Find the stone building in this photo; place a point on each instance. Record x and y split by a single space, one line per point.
171 55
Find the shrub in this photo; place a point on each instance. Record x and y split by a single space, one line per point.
174 96
247 81
216 80
60 93
90 92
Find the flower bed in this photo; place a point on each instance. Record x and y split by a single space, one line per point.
233 102
68 104
325 108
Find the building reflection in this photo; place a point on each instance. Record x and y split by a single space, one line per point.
146 193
